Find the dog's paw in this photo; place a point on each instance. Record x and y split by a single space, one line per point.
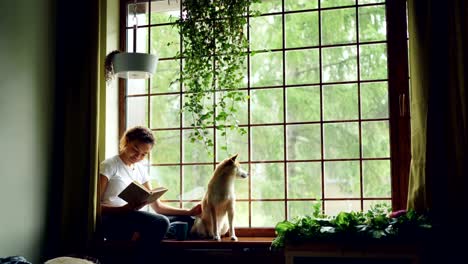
217 238
233 238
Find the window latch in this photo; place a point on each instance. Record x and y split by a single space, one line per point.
402 104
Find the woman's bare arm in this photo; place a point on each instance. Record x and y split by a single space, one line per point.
162 208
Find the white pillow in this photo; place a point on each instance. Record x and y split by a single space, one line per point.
68 260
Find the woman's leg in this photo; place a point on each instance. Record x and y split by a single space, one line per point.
151 227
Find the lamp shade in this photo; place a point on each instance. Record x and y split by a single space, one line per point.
134 65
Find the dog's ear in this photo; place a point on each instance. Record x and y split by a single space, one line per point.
233 158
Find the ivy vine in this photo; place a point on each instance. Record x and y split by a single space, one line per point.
214 51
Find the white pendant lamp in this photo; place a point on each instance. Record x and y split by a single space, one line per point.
134 65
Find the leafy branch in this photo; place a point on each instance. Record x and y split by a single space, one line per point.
214 50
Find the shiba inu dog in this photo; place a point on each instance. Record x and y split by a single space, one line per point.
218 204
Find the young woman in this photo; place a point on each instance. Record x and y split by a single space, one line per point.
121 220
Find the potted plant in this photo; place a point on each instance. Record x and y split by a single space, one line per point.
376 225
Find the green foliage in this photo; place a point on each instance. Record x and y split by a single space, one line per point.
214 52
376 224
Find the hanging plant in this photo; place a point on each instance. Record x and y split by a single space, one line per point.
214 51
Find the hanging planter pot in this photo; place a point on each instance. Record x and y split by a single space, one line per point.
134 65
131 65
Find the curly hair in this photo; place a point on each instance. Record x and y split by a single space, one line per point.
108 66
139 133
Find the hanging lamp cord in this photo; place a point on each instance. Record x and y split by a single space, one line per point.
135 25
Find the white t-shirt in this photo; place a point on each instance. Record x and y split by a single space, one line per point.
120 176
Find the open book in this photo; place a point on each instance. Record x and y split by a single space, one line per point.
136 193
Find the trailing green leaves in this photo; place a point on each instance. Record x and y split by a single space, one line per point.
375 224
214 51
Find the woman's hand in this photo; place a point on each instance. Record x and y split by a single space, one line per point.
196 210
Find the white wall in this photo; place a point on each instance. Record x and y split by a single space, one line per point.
25 124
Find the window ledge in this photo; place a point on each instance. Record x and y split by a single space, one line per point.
225 243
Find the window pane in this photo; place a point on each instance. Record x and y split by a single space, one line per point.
339 26
332 208
165 111
370 1
341 140
141 11
301 29
339 64
239 104
267 6
197 151
188 118
372 23
164 12
266 32
334 3
196 178
340 102
302 66
303 104
163 81
300 208
291 5
169 177
268 181
342 179
242 186
369 204
165 41
137 86
166 148
374 100
267 143
230 144
267 69
373 61
142 40
241 217
376 178
375 139
137 111
266 106
243 72
267 214
305 180
304 142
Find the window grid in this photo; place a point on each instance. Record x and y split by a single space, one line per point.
284 124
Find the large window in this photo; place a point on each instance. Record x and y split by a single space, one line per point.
324 118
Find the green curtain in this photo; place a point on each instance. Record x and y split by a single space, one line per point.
74 164
438 41
438 33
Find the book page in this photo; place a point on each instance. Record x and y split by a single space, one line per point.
156 193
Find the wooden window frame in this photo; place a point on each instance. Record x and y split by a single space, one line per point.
398 87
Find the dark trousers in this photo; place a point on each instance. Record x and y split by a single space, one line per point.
152 228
